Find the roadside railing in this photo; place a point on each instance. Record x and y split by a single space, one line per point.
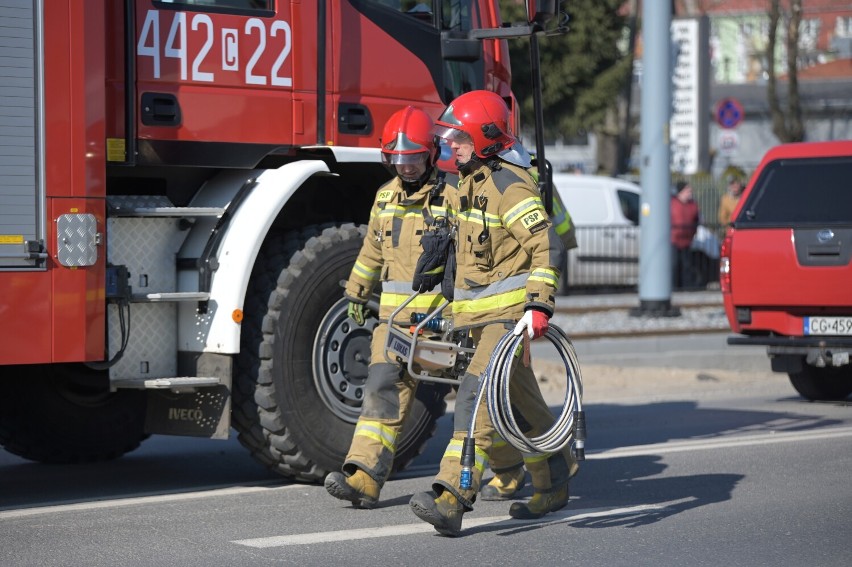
608 256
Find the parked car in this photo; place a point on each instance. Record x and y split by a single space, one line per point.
786 266
605 211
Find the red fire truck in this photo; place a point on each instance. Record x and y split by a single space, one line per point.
183 186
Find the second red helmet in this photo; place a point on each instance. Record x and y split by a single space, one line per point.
478 116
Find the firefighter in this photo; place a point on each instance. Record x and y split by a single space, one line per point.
403 208
507 255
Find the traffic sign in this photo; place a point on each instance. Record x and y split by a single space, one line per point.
728 143
729 113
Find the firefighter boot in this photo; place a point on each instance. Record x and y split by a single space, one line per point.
444 512
360 488
540 504
505 485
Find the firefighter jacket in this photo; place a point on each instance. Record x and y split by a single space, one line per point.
391 249
507 250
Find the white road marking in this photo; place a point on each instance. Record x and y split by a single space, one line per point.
768 438
120 502
422 527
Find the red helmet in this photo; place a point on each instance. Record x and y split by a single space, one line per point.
408 138
480 116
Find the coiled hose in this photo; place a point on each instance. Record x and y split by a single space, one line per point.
495 385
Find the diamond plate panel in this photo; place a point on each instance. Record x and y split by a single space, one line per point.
148 247
152 349
76 237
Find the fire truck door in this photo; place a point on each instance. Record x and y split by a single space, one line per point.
21 172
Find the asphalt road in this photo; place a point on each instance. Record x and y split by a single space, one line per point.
697 455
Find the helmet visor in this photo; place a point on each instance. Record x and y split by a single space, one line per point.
416 158
451 134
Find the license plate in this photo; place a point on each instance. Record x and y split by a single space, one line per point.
828 325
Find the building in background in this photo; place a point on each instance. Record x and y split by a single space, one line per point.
738 72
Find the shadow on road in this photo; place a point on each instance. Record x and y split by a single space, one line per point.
611 426
168 465
627 497
162 465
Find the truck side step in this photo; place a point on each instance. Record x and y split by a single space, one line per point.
175 296
168 212
155 206
179 383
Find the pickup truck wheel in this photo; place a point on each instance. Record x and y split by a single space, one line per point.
826 384
303 363
65 413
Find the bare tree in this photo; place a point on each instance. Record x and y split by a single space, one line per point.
786 125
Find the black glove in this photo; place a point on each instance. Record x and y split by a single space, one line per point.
430 267
448 284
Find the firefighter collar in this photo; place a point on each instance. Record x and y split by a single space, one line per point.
418 195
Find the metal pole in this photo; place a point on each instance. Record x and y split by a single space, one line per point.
544 182
624 142
655 254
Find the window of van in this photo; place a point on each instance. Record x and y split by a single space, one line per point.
629 201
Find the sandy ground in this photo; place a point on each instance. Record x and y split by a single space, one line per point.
608 384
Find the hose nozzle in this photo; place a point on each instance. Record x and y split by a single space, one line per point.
467 461
580 435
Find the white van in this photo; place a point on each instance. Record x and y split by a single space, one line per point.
605 211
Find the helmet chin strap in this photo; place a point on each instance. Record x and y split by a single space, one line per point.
475 162
470 165
413 186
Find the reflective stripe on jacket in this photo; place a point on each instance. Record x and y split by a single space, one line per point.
563 224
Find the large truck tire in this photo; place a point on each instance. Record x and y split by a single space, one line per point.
300 374
823 384
67 414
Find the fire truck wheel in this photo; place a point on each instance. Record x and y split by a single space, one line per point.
78 419
303 363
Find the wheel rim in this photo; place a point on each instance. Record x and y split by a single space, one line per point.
341 359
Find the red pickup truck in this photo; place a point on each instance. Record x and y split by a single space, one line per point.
786 266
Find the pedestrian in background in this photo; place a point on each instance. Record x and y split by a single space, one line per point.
685 219
729 200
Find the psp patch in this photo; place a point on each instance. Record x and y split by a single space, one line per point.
532 218
384 196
